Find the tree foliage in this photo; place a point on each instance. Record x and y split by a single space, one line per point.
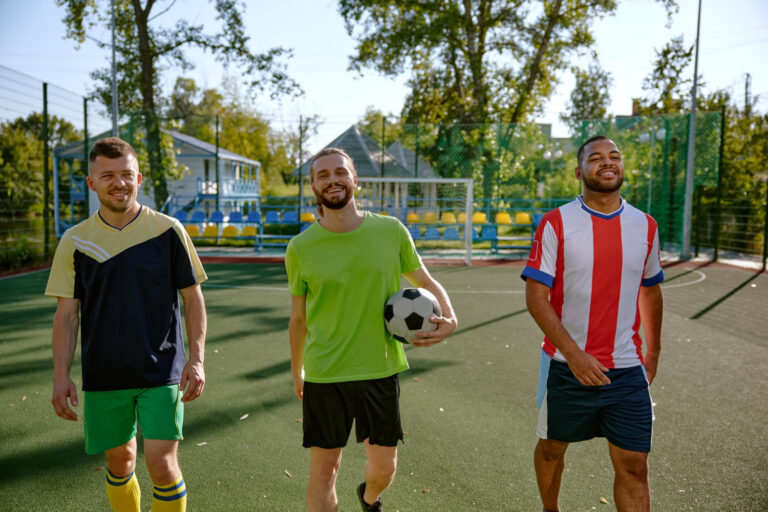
473 61
144 46
668 84
590 97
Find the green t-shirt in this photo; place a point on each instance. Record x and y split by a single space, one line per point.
347 278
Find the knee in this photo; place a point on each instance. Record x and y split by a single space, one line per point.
163 469
551 450
327 470
121 461
383 469
635 469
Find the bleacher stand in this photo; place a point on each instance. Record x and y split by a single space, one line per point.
236 217
180 215
198 217
430 218
192 230
229 232
217 217
271 217
415 232
451 233
431 233
289 217
254 217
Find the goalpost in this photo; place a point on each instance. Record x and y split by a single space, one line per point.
437 210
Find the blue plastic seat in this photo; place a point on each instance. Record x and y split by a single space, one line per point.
451 234
253 217
180 215
217 216
537 218
271 217
235 217
431 233
198 216
415 232
289 217
488 233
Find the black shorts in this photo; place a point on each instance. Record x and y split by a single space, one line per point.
329 409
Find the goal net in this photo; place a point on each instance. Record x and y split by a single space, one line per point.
437 211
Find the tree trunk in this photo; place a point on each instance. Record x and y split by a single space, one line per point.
151 125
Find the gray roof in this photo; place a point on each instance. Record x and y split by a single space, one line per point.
406 157
190 146
366 154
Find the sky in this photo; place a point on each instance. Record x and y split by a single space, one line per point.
734 42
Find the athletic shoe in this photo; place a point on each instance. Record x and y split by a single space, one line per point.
376 507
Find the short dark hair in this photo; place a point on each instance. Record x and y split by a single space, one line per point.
111 147
329 151
583 147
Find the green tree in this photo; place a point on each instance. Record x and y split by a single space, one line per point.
473 61
590 97
21 159
669 82
374 121
141 46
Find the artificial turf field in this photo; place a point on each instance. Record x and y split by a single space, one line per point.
468 405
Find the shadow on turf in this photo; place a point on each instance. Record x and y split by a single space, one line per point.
491 321
417 367
16 320
724 297
32 463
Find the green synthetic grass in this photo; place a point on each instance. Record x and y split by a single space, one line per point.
468 405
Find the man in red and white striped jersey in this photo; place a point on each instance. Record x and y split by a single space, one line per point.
592 279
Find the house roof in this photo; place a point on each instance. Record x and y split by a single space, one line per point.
188 145
368 156
407 158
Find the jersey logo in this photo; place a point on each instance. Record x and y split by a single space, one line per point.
534 251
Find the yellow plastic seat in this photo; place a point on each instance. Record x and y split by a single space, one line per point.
192 230
503 218
462 217
229 232
211 231
249 231
412 217
479 218
307 217
523 218
386 214
448 218
430 218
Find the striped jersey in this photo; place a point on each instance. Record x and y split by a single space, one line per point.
594 265
127 282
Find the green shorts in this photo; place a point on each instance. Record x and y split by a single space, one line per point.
111 416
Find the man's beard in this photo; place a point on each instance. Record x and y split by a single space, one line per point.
595 185
334 203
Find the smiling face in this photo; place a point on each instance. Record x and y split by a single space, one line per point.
601 168
333 181
116 181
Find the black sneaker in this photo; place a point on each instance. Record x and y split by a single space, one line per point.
376 507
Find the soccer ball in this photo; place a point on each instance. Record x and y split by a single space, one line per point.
408 311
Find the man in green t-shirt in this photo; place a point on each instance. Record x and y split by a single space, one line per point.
344 363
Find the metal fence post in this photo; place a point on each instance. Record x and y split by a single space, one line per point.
718 206
46 197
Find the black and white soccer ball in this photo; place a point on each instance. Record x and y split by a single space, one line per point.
408 311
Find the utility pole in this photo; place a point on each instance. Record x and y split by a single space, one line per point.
685 253
115 130
748 96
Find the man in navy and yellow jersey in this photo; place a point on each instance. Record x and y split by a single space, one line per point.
117 275
344 364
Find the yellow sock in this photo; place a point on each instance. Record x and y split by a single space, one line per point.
171 497
123 493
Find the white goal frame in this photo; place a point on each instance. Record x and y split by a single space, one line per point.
398 195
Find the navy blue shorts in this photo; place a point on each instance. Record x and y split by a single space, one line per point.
330 408
620 411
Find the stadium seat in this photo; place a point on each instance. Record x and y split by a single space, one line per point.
236 217
386 214
431 233
198 217
249 231
271 217
503 218
289 217
522 218
462 217
537 218
415 232
253 217
229 232
180 215
412 218
430 218
451 234
216 216
305 226
448 218
307 217
488 234
211 231
192 230
479 218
